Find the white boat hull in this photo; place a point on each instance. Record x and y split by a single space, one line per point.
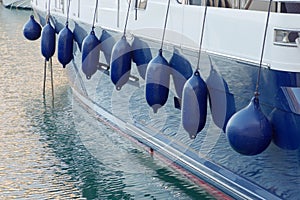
231 51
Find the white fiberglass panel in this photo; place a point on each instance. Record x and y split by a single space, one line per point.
239 34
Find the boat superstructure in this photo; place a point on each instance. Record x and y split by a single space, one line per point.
243 49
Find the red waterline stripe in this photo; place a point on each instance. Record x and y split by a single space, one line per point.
207 187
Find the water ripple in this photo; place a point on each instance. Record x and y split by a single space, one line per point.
50 151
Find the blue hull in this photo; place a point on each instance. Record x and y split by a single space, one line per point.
273 174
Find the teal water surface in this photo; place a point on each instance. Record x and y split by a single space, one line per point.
56 150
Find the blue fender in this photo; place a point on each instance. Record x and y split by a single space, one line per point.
65 46
48 41
32 29
120 63
90 54
194 105
157 82
248 131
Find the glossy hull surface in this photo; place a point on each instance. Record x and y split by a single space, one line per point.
231 82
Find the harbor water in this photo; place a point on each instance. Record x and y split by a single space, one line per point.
56 149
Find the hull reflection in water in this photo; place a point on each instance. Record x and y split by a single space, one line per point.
124 170
42 148
230 68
